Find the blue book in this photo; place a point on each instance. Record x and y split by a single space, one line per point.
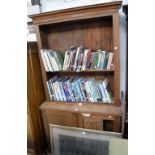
66 89
62 90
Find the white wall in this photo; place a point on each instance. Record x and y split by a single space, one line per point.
51 5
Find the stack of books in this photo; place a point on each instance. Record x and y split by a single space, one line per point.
77 59
72 89
52 60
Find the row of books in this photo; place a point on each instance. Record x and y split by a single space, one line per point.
52 60
72 89
76 59
79 58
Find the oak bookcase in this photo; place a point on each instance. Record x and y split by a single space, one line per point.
97 27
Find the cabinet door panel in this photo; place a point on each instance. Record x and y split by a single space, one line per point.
57 118
61 118
93 121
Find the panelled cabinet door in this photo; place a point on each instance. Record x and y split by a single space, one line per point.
61 118
57 118
96 121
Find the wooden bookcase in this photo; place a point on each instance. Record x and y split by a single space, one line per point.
97 27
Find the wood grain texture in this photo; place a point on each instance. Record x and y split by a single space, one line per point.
90 108
35 96
116 58
78 13
41 45
58 118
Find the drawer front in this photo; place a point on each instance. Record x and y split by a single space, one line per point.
96 121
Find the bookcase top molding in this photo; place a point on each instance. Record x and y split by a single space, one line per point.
78 13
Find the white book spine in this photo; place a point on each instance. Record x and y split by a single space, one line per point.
56 67
103 57
110 60
65 60
56 92
44 60
49 56
105 82
53 62
48 61
84 59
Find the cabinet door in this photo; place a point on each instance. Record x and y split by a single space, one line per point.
96 121
61 118
57 118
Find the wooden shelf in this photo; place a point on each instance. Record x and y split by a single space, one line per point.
83 102
84 71
107 109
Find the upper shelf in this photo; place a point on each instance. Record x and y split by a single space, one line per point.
78 13
85 71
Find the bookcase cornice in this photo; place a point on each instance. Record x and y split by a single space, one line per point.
78 13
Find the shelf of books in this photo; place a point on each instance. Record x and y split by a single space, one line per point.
77 88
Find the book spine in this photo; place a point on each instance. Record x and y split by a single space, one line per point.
104 99
78 90
74 91
57 60
73 59
49 90
84 60
110 60
59 91
88 60
93 90
56 92
100 94
62 91
48 61
90 97
104 83
65 65
61 59
66 91
52 87
83 91
106 61
56 68
51 58
77 58
44 60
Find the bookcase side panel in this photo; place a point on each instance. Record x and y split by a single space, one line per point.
41 44
116 49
